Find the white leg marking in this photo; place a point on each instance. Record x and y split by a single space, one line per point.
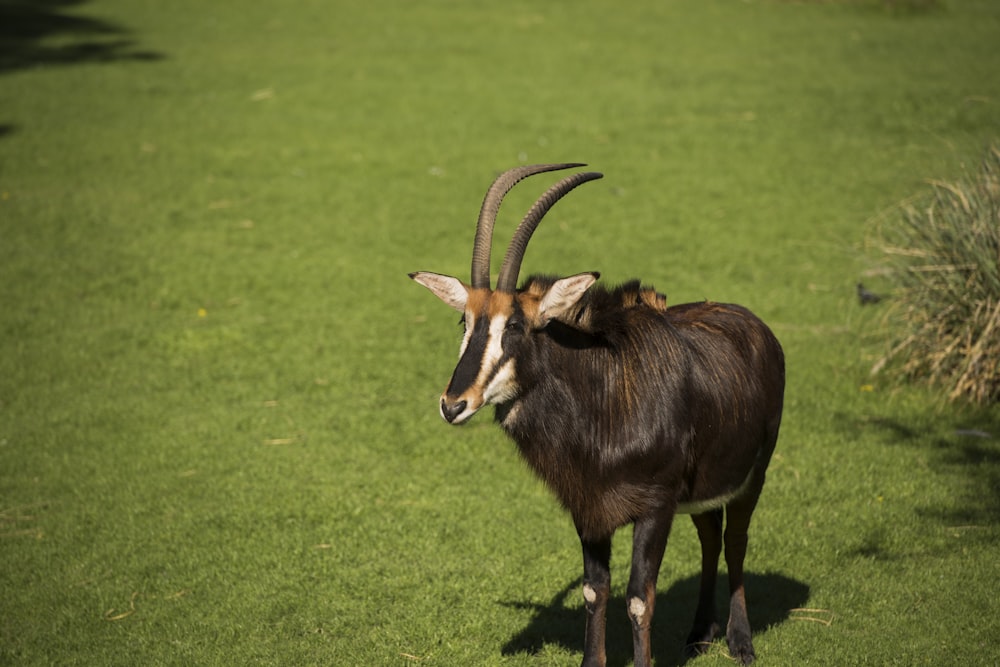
589 594
637 609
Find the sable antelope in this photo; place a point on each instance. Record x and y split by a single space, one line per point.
630 411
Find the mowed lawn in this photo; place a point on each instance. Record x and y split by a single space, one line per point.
219 439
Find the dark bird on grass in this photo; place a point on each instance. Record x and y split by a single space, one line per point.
866 296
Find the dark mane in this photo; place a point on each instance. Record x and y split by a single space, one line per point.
600 311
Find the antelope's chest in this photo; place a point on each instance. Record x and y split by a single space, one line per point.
599 495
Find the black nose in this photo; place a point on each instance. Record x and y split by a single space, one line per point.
451 411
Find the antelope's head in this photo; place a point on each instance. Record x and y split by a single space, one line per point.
498 321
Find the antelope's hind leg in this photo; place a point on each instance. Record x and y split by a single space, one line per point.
738 629
705 628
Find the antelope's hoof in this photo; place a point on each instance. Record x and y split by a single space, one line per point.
700 639
740 647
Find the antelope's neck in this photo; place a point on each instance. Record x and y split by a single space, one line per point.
507 414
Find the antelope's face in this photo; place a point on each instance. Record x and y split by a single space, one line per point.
498 321
496 327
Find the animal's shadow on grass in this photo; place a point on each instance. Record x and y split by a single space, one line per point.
42 32
770 599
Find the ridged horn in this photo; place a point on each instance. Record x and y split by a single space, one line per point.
511 267
488 215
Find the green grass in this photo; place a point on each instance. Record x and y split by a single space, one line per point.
218 433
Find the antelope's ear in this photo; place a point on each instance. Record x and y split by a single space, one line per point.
450 290
564 294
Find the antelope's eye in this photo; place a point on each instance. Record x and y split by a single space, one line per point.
513 324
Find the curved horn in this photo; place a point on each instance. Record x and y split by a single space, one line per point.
488 215
507 282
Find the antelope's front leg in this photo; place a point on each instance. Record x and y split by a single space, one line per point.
648 543
596 590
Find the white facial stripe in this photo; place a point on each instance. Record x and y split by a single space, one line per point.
503 386
494 350
470 323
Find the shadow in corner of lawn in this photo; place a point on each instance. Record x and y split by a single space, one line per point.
771 598
962 442
43 32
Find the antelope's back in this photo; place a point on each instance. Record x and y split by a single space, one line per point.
737 360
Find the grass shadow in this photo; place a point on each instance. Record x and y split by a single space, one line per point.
41 32
965 442
771 598
978 459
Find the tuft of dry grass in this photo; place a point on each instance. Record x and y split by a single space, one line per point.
944 252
